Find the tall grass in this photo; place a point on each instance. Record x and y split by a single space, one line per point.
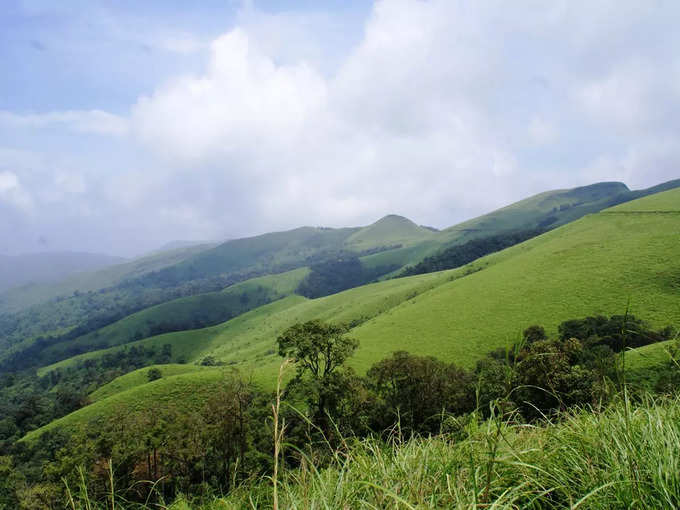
627 456
624 457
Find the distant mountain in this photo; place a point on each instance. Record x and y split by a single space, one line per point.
16 270
179 244
92 279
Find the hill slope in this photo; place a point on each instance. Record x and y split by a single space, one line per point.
592 266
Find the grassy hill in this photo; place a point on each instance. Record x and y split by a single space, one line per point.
600 264
140 377
186 313
388 231
592 266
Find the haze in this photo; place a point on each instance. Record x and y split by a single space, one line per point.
125 125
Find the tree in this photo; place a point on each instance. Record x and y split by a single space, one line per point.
534 334
319 349
419 391
153 374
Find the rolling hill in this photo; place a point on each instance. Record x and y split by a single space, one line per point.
603 263
280 249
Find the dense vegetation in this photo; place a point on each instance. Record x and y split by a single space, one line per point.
221 442
345 271
456 256
28 401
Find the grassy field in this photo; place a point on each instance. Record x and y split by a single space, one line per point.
666 201
190 390
140 377
596 265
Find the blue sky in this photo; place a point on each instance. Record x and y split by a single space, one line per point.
126 124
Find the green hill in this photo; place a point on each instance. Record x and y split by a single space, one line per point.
388 231
184 313
140 377
592 266
600 264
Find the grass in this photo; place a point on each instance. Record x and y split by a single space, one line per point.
388 231
623 457
592 266
140 377
645 364
666 201
191 389
193 345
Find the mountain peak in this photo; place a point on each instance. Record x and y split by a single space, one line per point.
388 231
394 218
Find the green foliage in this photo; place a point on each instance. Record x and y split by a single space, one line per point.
459 255
534 334
338 274
153 374
577 462
418 391
318 350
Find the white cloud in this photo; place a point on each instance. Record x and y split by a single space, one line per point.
8 182
244 100
541 131
92 121
70 182
440 110
13 193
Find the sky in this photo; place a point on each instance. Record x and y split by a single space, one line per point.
125 125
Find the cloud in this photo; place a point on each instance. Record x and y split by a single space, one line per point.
434 109
243 100
8 181
13 193
92 121
541 131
